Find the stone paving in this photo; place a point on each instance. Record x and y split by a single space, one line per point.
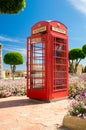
20 113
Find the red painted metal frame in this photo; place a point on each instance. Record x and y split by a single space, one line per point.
52 87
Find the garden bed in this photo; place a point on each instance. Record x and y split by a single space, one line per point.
9 87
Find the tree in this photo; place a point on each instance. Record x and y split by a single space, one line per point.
11 6
75 56
84 49
13 59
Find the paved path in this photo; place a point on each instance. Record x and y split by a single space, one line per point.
20 113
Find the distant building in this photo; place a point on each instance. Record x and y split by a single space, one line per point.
79 69
18 73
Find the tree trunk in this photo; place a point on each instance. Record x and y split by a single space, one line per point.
75 70
71 68
13 68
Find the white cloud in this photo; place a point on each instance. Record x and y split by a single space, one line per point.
13 47
79 5
9 39
21 50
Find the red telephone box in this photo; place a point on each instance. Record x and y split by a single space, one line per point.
47 61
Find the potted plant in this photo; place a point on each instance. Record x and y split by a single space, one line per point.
76 118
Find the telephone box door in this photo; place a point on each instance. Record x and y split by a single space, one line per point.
60 67
36 83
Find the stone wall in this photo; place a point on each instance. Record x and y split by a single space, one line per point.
1 61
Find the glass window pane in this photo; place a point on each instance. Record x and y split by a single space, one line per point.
37 65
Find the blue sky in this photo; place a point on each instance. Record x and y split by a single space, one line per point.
15 28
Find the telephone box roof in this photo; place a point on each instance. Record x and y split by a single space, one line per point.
51 22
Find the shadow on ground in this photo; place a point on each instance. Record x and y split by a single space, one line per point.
63 128
19 102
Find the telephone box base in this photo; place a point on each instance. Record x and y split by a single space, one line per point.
47 101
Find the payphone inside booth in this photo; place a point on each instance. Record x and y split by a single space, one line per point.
47 61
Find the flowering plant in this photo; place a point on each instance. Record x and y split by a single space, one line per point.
78 105
76 88
9 87
76 85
